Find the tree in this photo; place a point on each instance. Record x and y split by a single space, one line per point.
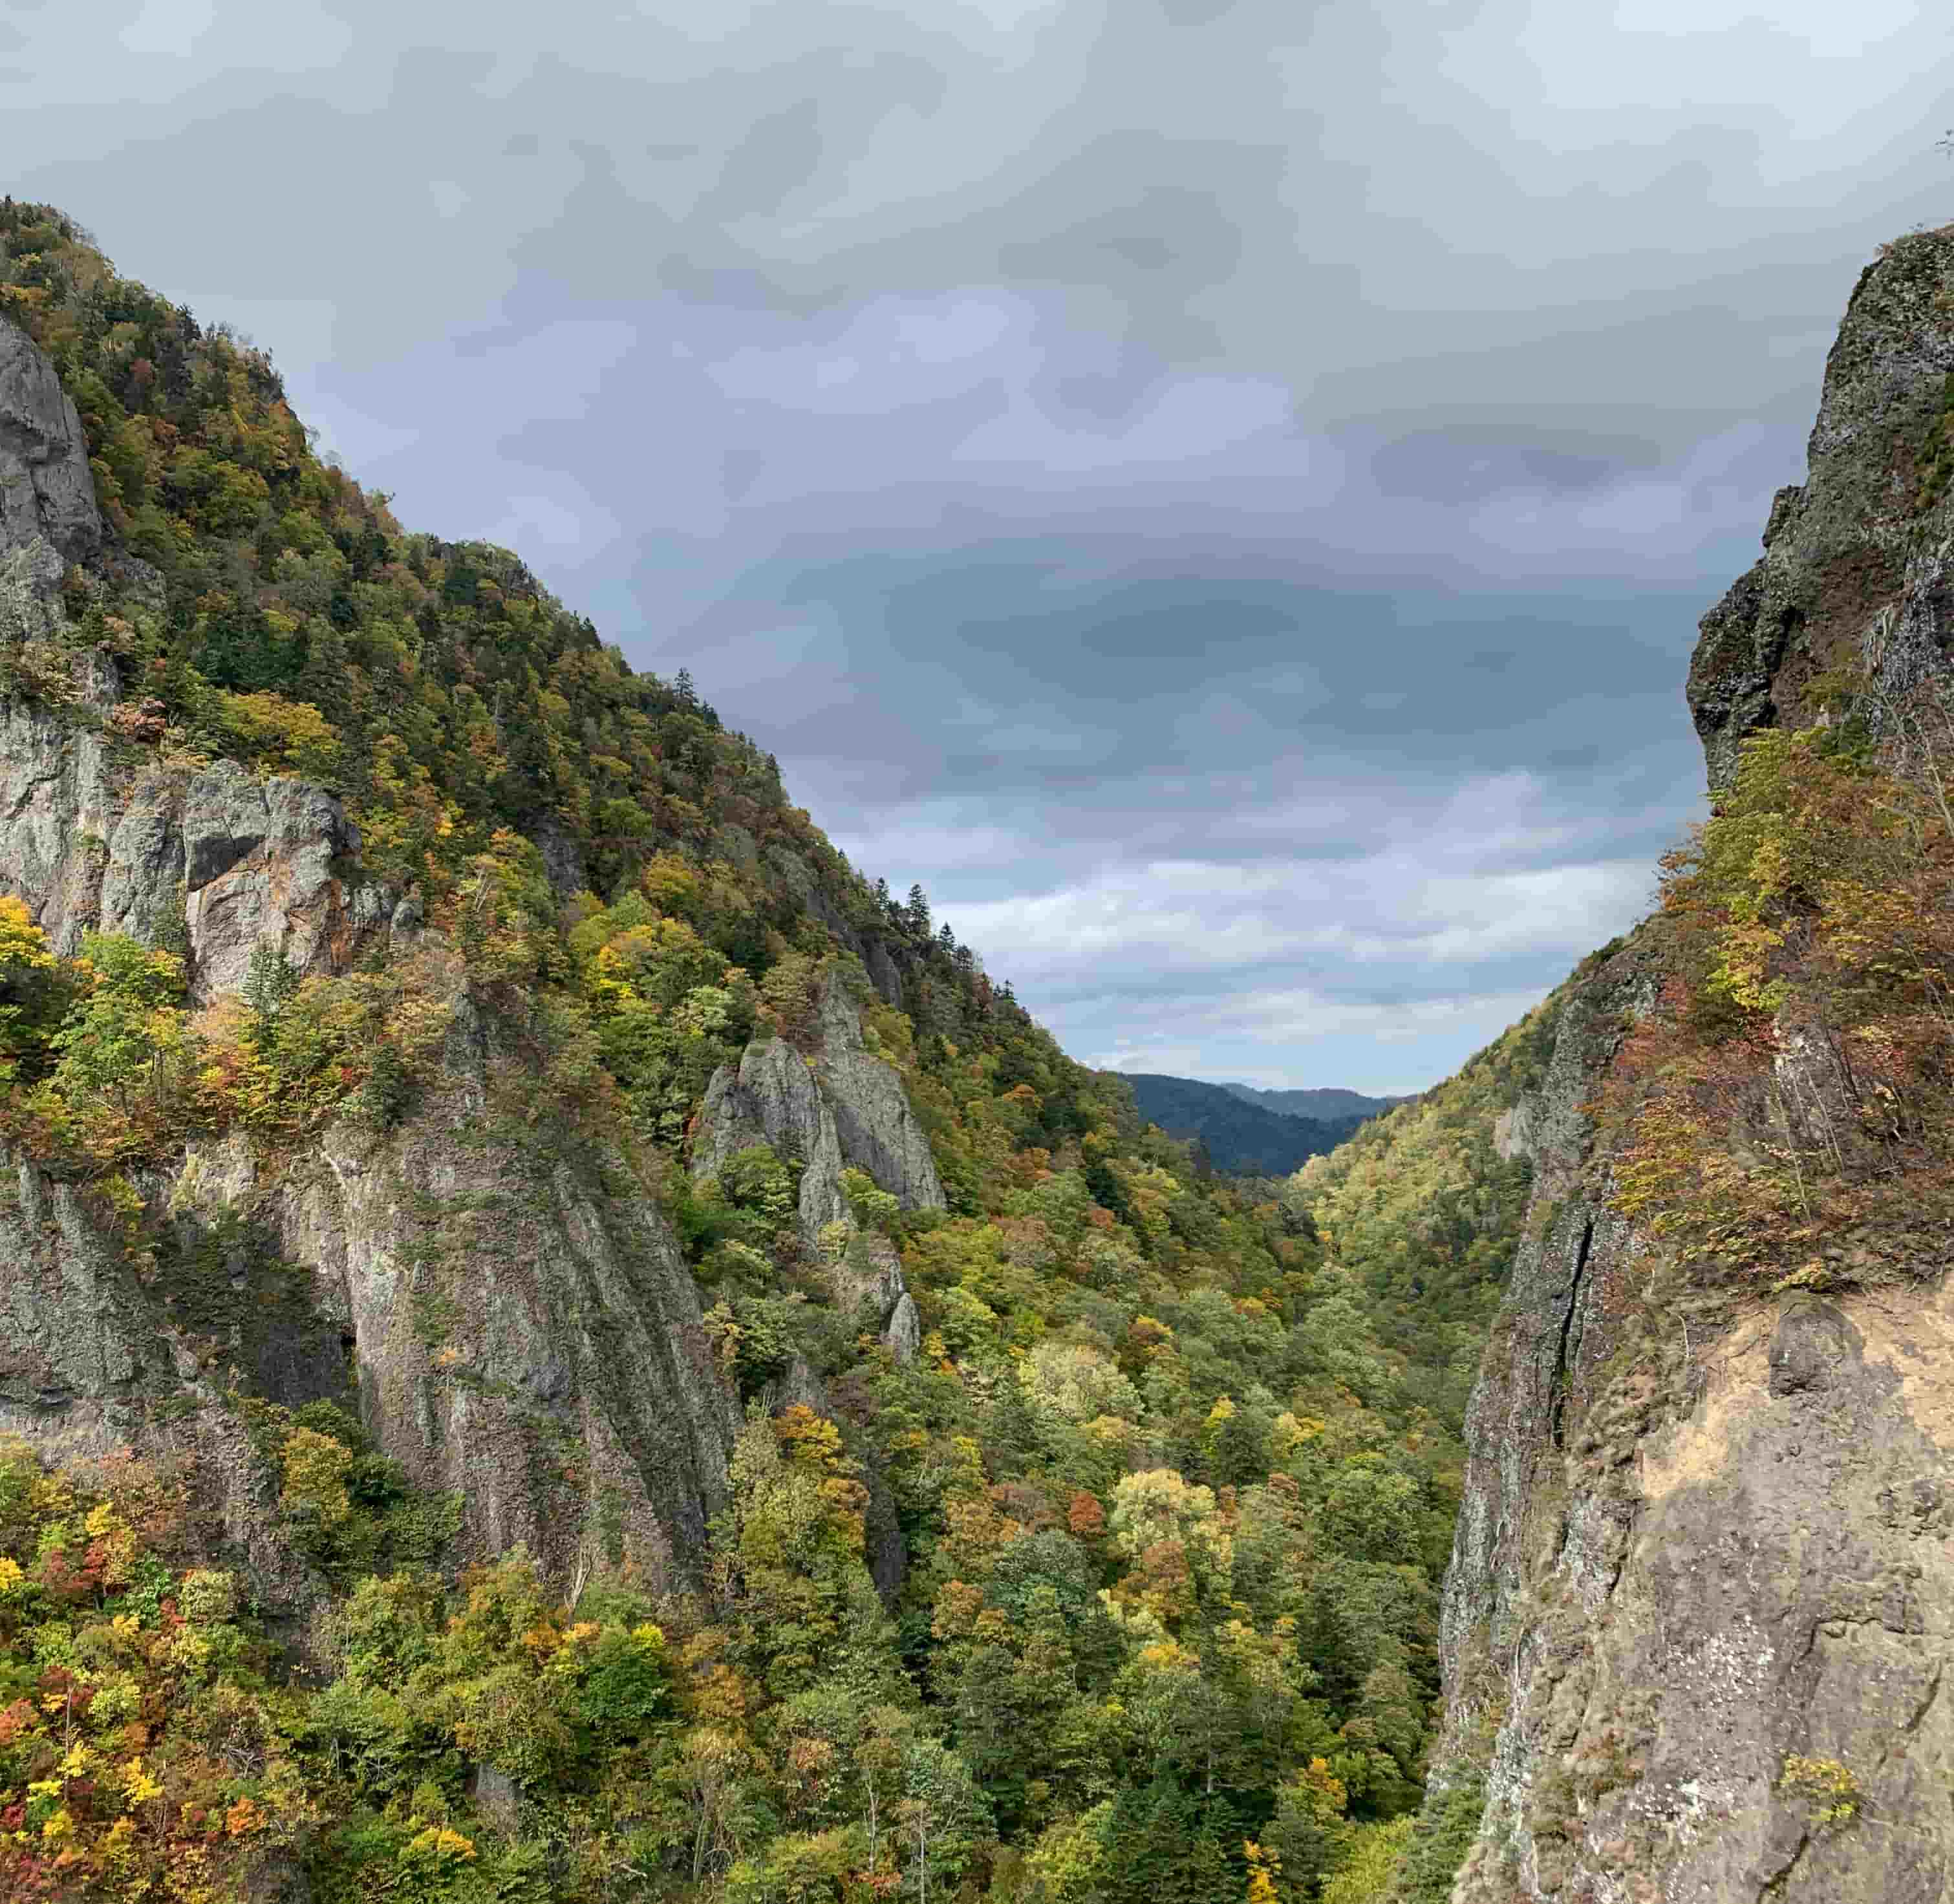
32 994
942 1815
270 980
127 1029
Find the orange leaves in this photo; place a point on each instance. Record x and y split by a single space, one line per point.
958 1604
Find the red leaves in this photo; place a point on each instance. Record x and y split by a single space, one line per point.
63 1579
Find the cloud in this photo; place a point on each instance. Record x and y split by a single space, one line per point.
1221 493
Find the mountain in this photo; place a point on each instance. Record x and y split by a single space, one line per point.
1240 1137
556 1342
1325 1104
1694 1624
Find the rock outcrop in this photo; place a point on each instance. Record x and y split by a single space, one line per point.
46 490
515 1325
837 1109
93 835
93 839
1702 1589
1845 569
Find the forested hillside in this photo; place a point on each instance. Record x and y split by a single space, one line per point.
1105 1570
1240 1137
1324 1102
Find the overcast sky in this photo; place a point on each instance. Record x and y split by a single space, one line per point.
1221 493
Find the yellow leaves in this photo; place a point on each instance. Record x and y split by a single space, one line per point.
439 1845
1326 1790
23 946
1828 1788
315 1470
1743 959
1169 1656
1292 1432
292 736
1264 1868
188 1651
13 1581
807 1437
138 1786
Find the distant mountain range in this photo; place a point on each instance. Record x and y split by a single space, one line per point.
1248 1132
1325 1103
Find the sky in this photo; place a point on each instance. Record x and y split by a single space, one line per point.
1219 491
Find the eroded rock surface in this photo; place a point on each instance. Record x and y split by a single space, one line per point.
92 841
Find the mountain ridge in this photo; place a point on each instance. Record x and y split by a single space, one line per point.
1324 1102
1238 1135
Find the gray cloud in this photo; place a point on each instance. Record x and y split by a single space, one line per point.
1220 491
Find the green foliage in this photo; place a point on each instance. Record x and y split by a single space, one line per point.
1438 1844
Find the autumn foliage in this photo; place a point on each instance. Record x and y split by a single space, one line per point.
1783 1108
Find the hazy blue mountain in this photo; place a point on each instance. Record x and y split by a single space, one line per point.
1241 1136
1327 1102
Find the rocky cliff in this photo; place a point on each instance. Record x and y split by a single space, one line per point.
1702 1590
506 1311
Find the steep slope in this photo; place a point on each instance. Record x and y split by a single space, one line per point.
557 1343
1697 1615
1238 1136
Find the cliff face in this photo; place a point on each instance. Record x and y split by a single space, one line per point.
511 1318
1703 1584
